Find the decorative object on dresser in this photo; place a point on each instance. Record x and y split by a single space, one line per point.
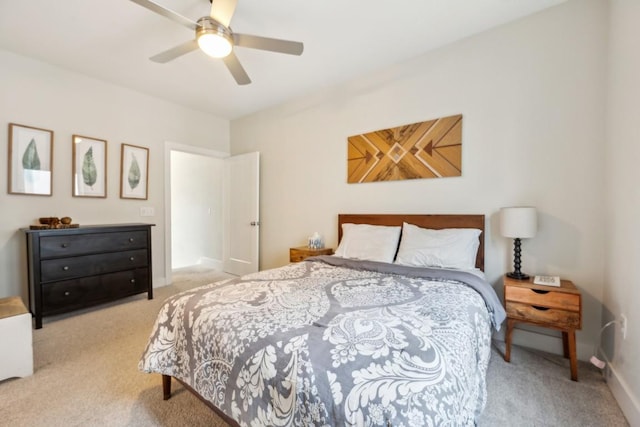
303 252
89 167
47 223
85 266
430 149
30 160
550 307
518 223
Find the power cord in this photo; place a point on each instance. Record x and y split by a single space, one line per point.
594 359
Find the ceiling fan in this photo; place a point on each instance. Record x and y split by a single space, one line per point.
215 38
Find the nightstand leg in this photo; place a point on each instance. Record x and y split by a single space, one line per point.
507 352
571 338
565 344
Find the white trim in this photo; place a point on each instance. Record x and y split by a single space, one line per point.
168 148
623 394
185 148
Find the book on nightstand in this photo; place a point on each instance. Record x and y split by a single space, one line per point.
547 280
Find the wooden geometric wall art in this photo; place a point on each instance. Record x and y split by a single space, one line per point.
431 149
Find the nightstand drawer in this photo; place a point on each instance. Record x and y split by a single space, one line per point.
297 256
557 318
549 299
301 253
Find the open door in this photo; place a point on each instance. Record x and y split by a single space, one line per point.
241 214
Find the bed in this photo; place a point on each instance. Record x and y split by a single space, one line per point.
371 336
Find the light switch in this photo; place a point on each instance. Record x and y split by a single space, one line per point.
147 211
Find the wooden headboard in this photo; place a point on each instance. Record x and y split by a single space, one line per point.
425 221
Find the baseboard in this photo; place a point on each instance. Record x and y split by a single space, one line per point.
623 394
159 282
210 262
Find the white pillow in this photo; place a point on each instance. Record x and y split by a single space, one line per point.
446 248
369 242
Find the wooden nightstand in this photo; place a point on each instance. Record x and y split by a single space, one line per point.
302 252
547 306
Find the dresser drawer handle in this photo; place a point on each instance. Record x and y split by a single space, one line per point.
64 245
131 259
539 291
133 280
67 293
65 268
537 307
131 239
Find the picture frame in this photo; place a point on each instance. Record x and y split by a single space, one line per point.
30 169
134 172
89 172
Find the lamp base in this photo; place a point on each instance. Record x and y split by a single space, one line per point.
518 275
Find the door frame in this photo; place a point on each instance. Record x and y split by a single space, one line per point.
168 148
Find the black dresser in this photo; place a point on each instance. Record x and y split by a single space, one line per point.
79 267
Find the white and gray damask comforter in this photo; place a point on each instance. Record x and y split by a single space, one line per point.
333 342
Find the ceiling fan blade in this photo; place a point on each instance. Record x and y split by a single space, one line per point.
161 10
266 43
174 52
236 69
222 10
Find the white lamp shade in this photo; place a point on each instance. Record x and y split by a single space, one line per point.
214 45
518 222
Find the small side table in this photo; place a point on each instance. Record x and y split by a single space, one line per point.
553 307
16 351
302 252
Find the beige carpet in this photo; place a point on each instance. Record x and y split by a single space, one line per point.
86 375
86 370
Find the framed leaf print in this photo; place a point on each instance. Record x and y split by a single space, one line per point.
89 167
30 160
134 172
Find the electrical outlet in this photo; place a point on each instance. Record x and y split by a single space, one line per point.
623 326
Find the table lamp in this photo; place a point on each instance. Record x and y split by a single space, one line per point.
518 223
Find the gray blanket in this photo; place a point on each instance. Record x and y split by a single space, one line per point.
331 342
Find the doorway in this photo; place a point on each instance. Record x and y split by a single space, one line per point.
193 207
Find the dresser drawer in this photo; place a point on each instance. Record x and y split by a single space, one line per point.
550 299
81 244
557 318
89 265
68 295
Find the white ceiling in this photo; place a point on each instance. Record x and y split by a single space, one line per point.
112 40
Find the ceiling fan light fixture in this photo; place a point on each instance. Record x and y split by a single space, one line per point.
214 45
214 38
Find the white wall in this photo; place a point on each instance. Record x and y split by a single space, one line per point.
532 96
196 209
41 95
622 282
